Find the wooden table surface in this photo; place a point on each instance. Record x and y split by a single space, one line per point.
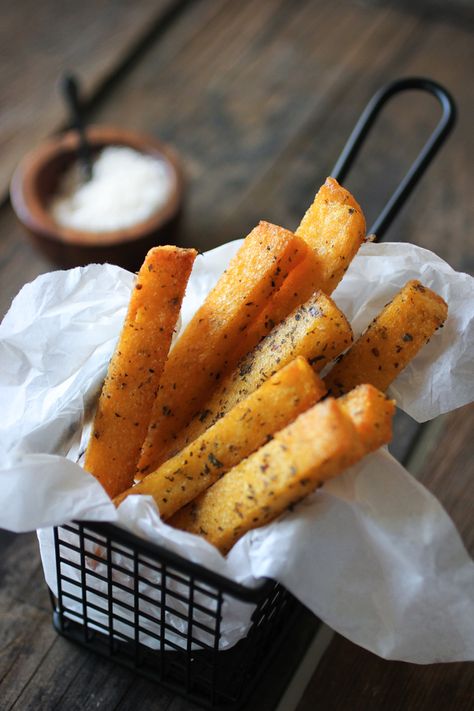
258 98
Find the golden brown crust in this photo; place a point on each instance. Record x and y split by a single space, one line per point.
317 330
371 412
298 287
278 475
334 227
244 429
124 408
391 341
214 340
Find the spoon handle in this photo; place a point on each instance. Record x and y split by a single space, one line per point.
70 90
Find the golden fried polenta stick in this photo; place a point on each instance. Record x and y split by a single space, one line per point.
391 341
301 283
251 423
320 444
372 413
334 227
214 340
124 408
317 330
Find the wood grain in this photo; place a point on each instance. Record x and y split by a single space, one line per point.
448 471
439 214
245 109
92 38
351 679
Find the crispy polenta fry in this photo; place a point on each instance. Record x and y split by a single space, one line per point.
251 423
391 341
214 340
317 330
371 413
124 408
297 288
334 226
317 446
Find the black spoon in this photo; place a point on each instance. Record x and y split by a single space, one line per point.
70 91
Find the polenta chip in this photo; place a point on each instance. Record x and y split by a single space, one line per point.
372 413
317 330
391 341
334 227
214 340
251 423
124 408
320 444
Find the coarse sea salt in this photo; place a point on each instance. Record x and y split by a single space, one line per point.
125 189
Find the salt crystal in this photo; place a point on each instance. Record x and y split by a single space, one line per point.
125 189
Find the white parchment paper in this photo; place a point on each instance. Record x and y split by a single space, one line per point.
372 553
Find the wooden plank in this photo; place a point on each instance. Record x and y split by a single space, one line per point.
459 13
147 696
19 262
21 577
405 432
244 107
448 470
51 678
352 679
92 38
440 206
95 682
26 637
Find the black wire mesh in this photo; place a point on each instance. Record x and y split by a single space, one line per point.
161 615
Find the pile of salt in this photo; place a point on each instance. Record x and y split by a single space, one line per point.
126 188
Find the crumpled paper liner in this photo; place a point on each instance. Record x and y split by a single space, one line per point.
372 553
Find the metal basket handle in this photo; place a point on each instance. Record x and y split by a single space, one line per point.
421 162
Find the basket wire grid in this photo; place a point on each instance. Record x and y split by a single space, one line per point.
152 610
159 614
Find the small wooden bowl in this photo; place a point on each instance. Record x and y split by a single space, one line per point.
36 180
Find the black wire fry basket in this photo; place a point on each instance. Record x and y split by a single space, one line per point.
161 615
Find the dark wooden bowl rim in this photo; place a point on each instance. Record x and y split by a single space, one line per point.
31 205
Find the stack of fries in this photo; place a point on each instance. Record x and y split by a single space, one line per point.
234 424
